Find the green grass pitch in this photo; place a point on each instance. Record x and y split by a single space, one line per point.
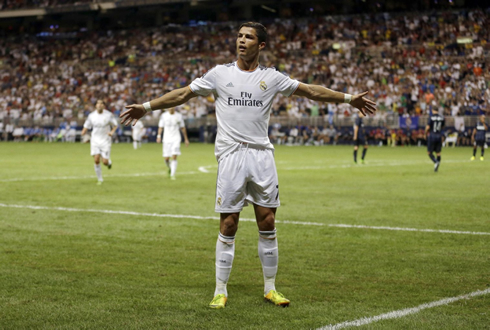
74 255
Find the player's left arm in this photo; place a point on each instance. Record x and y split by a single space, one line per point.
184 132
114 126
323 94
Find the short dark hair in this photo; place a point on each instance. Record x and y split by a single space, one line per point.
259 28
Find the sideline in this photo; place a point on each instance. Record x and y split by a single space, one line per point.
404 312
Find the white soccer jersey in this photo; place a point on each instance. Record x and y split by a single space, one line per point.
138 130
100 123
243 103
171 125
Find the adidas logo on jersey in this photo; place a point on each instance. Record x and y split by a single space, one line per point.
230 84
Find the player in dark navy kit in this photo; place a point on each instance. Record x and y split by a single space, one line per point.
433 131
478 137
359 138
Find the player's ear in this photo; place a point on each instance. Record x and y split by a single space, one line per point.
261 45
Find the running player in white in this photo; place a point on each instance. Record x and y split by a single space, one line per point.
244 91
138 131
100 121
170 122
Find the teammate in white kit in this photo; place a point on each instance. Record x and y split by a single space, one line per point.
100 121
138 131
244 91
170 123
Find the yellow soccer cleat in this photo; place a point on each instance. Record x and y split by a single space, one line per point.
276 298
472 158
218 302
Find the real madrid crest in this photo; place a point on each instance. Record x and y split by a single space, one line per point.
263 85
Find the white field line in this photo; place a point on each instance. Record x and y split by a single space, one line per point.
206 169
93 176
404 312
178 216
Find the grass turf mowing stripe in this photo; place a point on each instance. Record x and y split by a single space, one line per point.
404 312
179 216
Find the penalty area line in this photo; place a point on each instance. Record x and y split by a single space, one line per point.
197 217
404 312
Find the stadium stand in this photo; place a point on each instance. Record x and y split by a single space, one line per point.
410 62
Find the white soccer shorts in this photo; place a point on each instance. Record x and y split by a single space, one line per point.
171 148
246 175
101 149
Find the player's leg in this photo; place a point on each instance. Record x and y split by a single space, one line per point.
167 153
106 156
430 150
356 147
230 198
173 166
269 253
364 151
438 149
175 151
475 147
263 192
98 169
225 253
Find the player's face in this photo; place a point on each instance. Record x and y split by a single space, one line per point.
482 119
99 106
247 43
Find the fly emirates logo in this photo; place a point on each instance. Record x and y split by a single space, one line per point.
245 100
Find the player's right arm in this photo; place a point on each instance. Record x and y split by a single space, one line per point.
172 99
159 134
356 130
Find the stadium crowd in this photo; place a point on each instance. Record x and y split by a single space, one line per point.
410 63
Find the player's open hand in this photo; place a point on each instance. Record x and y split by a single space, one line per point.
133 114
364 105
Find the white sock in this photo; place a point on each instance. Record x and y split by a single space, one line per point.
110 162
135 144
98 172
268 254
225 252
173 167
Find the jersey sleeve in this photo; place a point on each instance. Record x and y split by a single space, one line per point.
206 84
113 120
88 123
161 122
181 124
285 85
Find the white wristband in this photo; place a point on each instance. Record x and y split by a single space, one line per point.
347 98
147 106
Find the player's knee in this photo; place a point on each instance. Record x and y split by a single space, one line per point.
267 222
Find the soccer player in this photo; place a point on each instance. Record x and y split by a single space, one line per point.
170 122
244 91
433 132
138 131
359 138
100 121
478 137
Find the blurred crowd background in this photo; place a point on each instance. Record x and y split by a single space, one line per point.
411 62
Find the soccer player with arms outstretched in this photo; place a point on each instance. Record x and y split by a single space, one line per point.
244 91
100 121
170 122
478 137
433 132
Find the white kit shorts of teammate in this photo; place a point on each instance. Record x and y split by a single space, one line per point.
100 141
171 125
246 167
